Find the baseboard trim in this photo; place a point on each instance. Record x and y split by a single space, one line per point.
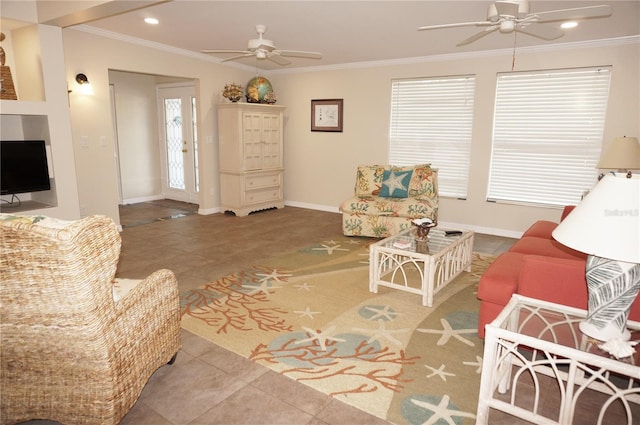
142 199
312 206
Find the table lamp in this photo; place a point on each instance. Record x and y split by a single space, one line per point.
623 153
606 226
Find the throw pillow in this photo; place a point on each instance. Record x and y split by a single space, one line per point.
395 184
369 180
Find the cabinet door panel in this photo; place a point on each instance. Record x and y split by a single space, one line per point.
252 141
271 155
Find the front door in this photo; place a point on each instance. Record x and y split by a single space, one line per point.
179 142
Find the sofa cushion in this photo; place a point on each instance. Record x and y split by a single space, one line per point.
395 183
546 247
544 278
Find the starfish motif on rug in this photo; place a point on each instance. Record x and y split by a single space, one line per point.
273 275
477 363
382 332
305 286
448 332
262 287
439 372
307 312
441 411
385 312
321 337
330 249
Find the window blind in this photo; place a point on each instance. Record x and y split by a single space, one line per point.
547 136
431 121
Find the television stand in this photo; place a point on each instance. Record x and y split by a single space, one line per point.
25 206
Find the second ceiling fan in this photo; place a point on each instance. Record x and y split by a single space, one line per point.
508 16
262 48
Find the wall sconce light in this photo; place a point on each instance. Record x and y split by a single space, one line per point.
85 85
82 79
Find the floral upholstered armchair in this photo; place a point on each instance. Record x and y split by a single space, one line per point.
387 198
75 347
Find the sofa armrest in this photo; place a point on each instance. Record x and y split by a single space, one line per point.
557 280
566 211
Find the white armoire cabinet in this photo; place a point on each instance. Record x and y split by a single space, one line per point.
250 154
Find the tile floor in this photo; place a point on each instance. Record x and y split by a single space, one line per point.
208 384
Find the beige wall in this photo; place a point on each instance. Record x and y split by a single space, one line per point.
137 132
94 56
320 167
43 114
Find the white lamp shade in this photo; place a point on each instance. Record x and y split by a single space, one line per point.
622 154
607 221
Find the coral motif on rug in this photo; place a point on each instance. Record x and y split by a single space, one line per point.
310 316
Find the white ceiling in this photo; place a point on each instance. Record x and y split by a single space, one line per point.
349 31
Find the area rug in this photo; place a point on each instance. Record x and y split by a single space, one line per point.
309 315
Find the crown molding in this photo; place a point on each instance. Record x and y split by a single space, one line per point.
634 39
158 46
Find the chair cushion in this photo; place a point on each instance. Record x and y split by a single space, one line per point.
39 220
121 287
393 207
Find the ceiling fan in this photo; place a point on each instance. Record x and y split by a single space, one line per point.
513 15
262 48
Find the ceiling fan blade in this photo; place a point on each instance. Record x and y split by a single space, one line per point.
300 54
224 51
576 13
544 32
275 57
478 35
462 24
237 57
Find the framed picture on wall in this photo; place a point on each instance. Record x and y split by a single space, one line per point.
326 115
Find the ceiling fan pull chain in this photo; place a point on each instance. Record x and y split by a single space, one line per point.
513 57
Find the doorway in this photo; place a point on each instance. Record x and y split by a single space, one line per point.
178 142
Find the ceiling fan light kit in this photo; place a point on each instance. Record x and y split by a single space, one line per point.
507 16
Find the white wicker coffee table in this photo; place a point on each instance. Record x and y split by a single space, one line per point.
538 366
420 268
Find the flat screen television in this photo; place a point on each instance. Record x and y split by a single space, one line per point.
23 167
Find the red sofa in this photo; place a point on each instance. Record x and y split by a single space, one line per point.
536 266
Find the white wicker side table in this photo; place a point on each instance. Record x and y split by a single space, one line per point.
539 367
420 268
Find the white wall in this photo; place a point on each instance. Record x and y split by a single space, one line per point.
320 167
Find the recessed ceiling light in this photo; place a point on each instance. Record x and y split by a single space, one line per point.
568 25
152 21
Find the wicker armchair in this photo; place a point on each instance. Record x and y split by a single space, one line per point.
69 352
